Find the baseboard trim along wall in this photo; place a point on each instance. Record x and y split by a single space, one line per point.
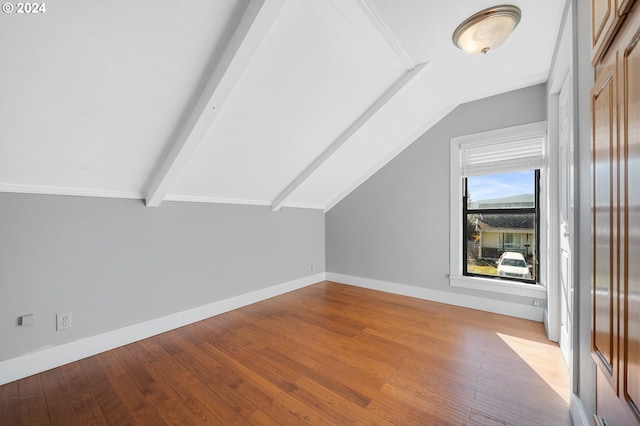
534 313
577 412
46 359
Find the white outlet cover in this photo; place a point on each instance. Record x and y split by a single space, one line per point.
63 321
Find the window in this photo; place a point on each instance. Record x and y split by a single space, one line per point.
497 210
500 230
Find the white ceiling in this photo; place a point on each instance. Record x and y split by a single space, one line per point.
286 103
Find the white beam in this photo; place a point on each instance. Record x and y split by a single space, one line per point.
398 86
253 27
386 32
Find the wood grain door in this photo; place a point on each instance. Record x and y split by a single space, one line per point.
630 231
615 114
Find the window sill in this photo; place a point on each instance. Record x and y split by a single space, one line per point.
535 291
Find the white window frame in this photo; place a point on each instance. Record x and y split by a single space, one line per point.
456 278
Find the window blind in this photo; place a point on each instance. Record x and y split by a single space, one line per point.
501 156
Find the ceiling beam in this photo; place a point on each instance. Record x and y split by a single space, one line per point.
402 83
253 27
386 32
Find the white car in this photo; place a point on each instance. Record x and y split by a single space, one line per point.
513 265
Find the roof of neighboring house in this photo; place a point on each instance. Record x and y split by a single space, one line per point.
522 200
506 221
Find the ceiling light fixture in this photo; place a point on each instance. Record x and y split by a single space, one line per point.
487 29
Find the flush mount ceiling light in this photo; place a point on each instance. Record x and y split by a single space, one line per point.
487 29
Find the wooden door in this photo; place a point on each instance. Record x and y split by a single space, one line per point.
630 205
615 114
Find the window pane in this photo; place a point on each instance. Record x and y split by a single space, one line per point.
502 244
499 191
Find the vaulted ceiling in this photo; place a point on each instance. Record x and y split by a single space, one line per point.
285 103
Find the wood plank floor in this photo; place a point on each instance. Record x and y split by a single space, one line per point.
326 354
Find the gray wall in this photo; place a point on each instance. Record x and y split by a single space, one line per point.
395 226
114 262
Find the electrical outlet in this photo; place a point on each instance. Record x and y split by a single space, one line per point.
26 319
63 321
536 303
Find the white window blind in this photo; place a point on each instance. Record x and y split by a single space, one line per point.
480 158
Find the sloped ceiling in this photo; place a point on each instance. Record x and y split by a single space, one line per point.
285 103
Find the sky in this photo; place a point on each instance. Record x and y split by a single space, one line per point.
501 185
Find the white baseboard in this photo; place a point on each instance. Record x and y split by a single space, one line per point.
534 313
578 415
46 359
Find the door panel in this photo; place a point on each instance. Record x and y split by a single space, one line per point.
631 237
604 14
604 113
565 139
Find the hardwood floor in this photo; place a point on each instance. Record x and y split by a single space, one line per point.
325 354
